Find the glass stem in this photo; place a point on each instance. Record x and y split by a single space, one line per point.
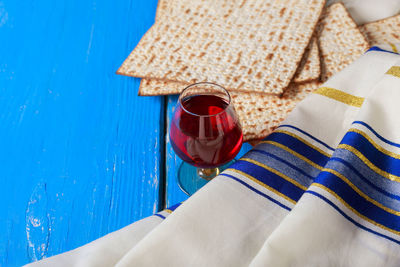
208 174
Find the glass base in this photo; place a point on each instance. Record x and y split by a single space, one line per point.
189 179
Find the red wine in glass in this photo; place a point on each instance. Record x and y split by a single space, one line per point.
205 131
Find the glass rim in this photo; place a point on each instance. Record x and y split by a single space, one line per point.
208 83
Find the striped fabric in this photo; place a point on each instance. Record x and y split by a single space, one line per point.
359 174
356 185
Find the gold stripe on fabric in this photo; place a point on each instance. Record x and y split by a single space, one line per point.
394 48
340 96
168 210
290 180
263 185
394 71
378 147
304 141
369 163
354 211
342 177
315 165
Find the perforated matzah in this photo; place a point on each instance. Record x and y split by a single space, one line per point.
310 67
233 49
340 41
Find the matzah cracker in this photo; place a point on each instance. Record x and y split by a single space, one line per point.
340 41
257 52
385 31
258 113
164 7
309 68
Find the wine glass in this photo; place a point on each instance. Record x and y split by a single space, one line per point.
205 133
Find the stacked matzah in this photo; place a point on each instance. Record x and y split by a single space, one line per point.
268 54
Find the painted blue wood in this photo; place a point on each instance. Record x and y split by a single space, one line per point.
173 193
80 153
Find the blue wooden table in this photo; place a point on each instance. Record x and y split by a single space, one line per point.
81 154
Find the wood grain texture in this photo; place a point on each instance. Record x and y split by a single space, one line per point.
80 152
173 193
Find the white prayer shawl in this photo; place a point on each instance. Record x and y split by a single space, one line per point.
349 215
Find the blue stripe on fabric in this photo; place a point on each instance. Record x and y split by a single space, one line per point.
392 187
266 177
375 48
376 134
159 215
376 157
357 202
307 134
362 178
273 162
349 218
173 207
256 191
298 146
289 157
287 163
